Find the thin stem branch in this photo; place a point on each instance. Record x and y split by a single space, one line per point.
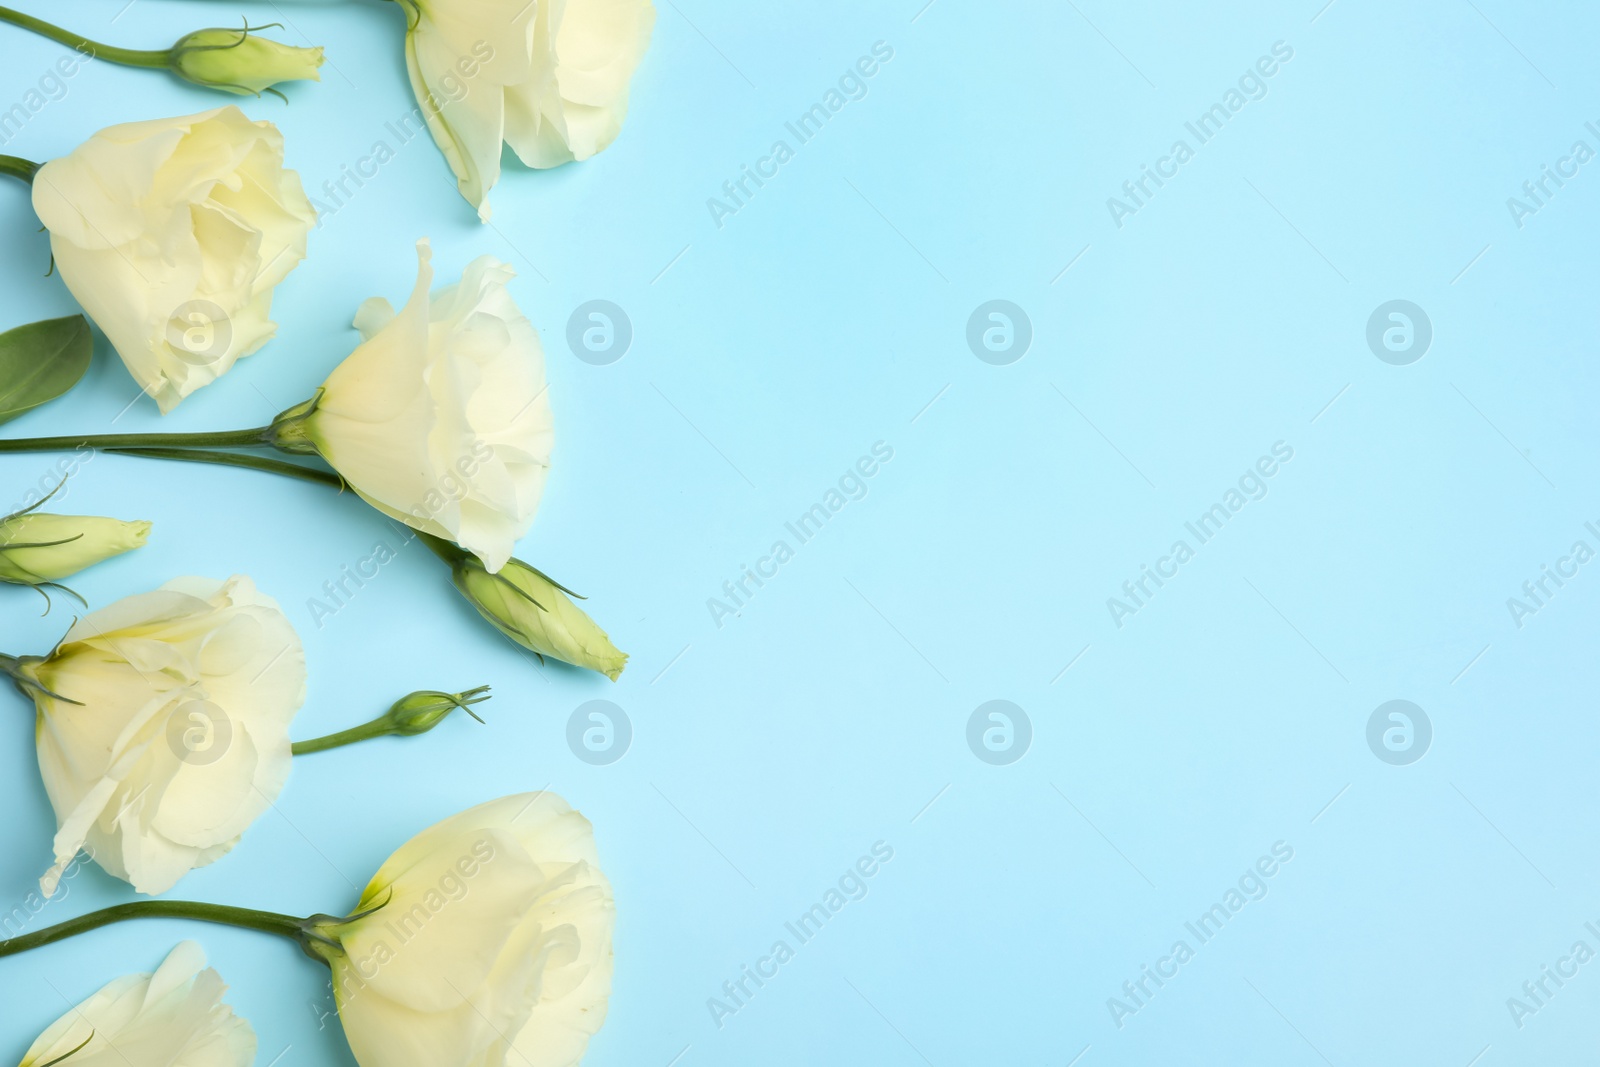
414 714
128 57
266 921
448 551
379 727
235 459
21 169
261 435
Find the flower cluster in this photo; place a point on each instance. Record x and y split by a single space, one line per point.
164 720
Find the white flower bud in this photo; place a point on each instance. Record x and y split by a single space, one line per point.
36 548
237 61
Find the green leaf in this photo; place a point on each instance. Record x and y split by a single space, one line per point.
40 361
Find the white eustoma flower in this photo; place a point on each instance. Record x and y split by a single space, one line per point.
547 77
441 417
172 234
163 727
172 1018
485 940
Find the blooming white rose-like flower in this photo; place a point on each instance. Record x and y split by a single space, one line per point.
163 726
548 77
174 1017
172 234
484 940
441 417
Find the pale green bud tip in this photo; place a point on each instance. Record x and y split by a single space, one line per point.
537 614
37 548
419 712
237 61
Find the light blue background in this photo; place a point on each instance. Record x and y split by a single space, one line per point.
830 313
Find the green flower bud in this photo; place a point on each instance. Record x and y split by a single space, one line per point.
422 711
37 549
409 716
536 613
237 61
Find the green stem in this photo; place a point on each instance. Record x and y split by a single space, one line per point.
298 930
380 727
261 435
128 57
21 169
234 459
448 551
414 714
